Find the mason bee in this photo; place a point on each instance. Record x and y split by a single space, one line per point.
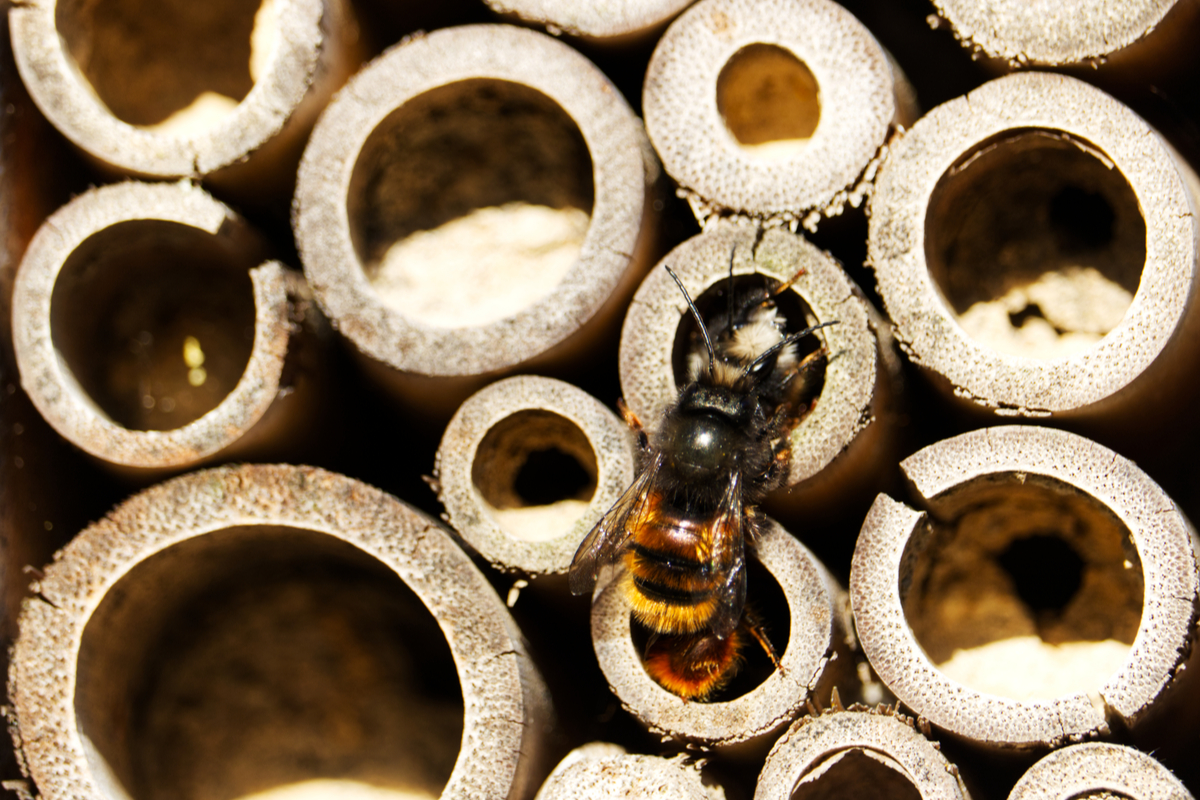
682 528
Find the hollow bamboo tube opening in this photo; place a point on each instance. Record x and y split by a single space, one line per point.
1046 590
774 109
857 753
598 21
473 202
144 332
526 467
271 632
803 613
1098 770
1033 245
599 771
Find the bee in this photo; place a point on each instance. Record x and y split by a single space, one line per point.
682 528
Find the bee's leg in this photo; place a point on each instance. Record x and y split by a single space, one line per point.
754 626
631 419
785 285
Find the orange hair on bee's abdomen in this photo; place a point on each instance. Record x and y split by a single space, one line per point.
693 666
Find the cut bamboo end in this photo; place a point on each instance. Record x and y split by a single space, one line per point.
1034 245
441 270
145 333
655 337
186 90
601 771
527 466
776 109
814 609
1047 592
593 20
262 628
1099 769
857 753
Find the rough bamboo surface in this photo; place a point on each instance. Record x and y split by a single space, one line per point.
608 20
1051 222
492 437
150 333
276 592
1099 769
926 585
147 91
774 108
819 639
857 753
383 203
601 771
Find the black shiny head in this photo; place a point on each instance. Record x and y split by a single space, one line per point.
704 435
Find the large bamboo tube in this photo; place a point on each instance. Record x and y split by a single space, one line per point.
1099 769
777 109
809 628
225 91
857 753
600 771
1040 588
1035 246
598 21
475 200
526 467
272 629
149 332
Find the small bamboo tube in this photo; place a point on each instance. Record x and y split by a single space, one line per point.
816 656
1035 247
857 753
445 275
250 628
1040 589
777 109
503 430
1099 769
600 771
836 448
150 333
224 91
600 21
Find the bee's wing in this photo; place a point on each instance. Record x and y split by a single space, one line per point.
608 538
729 560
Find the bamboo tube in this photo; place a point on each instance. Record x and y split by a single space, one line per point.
446 275
271 629
602 21
226 91
816 655
1099 769
857 753
837 447
774 108
1039 589
601 771
1034 245
148 333
526 467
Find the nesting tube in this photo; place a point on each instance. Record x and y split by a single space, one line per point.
808 627
599 771
1035 247
836 447
604 22
1099 769
474 201
857 753
774 109
150 332
1039 589
258 628
224 91
526 467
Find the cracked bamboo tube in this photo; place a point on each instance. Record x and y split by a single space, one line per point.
272 628
526 467
1038 589
857 753
150 333
226 91
837 448
816 655
601 771
603 22
446 276
1099 769
1035 246
778 109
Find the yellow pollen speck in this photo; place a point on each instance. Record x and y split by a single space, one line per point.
193 356
197 376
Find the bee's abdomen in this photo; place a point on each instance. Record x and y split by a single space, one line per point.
669 582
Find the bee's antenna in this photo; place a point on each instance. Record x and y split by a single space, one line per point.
773 351
712 355
729 288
